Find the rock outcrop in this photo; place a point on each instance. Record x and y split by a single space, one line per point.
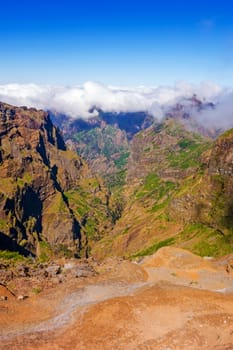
42 183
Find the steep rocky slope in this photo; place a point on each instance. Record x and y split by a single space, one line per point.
209 200
48 197
179 191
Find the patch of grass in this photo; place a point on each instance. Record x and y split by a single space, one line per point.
63 251
226 134
173 274
152 249
125 231
122 160
116 180
78 202
186 143
164 217
194 229
57 204
151 183
3 224
188 156
205 241
46 252
7 186
214 245
43 257
96 201
36 290
26 179
156 207
90 227
157 192
13 256
189 185
204 248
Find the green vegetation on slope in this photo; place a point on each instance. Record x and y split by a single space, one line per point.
152 249
198 238
90 210
204 240
97 142
12 256
154 186
188 155
174 188
107 150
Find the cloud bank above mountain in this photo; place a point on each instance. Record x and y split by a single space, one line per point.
222 115
78 101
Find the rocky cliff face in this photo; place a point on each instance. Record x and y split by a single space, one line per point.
220 174
210 200
203 203
47 192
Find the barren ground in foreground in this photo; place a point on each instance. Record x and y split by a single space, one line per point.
172 300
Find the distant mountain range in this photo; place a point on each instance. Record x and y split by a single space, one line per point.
185 110
104 141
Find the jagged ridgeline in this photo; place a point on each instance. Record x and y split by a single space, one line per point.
49 200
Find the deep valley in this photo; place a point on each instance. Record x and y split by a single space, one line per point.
115 232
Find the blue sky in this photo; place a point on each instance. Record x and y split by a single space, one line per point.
116 42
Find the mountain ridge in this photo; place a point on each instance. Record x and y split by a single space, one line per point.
38 177
167 185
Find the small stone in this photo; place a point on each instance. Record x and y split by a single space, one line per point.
46 274
3 298
84 271
22 271
53 270
69 266
21 297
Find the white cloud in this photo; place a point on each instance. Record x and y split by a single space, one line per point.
222 115
76 101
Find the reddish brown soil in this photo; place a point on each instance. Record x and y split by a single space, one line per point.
128 306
